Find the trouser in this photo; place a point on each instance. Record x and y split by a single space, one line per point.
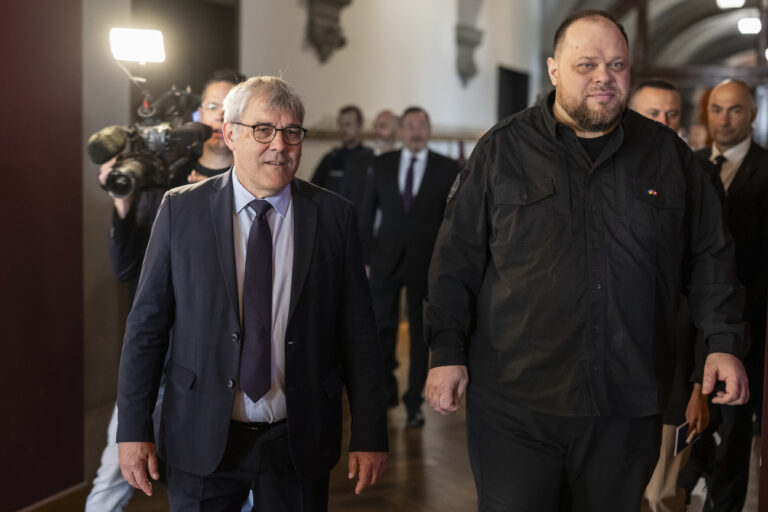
257 461
532 462
110 491
724 466
386 304
662 493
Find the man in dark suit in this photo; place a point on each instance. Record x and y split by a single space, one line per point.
256 281
742 166
409 188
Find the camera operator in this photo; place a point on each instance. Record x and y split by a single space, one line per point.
131 225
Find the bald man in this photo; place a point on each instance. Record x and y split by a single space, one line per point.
385 128
743 169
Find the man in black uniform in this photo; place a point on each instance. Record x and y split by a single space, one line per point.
555 284
344 169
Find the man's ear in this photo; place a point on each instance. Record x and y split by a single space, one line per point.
228 132
552 70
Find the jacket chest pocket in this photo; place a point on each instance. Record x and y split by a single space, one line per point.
523 215
657 212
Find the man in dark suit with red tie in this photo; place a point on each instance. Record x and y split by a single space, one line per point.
742 168
409 188
253 282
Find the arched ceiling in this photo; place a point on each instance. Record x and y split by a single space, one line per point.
680 32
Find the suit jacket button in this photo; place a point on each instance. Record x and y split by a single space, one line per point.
230 383
235 337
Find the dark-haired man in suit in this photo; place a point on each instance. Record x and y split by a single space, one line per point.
409 187
253 281
742 165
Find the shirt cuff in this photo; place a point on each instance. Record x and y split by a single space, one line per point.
447 348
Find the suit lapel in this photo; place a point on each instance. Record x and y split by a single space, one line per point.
221 204
745 172
304 229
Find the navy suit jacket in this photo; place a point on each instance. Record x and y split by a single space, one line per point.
187 304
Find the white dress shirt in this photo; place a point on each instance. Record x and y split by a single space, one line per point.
418 169
271 407
733 158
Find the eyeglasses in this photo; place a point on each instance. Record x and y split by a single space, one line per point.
212 105
265 133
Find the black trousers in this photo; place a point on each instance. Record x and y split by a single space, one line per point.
532 462
725 467
258 461
386 304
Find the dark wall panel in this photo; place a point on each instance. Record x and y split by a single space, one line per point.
41 357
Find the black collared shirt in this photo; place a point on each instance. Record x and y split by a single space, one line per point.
557 278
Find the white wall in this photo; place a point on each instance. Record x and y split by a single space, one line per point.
398 53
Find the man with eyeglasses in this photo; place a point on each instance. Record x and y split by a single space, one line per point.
129 235
265 310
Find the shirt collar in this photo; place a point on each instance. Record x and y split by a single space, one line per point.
420 156
734 154
279 201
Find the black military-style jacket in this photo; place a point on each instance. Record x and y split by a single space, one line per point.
557 279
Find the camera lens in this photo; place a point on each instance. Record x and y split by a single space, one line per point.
120 183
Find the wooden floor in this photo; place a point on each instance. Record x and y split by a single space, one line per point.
428 468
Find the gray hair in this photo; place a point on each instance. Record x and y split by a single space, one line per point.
276 92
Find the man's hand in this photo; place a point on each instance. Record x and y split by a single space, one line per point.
697 412
122 204
728 368
445 388
370 466
135 460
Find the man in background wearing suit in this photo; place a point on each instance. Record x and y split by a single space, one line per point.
255 279
743 169
409 187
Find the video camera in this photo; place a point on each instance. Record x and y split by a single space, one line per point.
158 146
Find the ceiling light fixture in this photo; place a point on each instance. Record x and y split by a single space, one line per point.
750 25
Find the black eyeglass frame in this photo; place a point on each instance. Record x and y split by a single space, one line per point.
292 127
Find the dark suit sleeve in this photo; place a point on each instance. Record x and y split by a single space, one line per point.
716 299
128 237
146 335
361 353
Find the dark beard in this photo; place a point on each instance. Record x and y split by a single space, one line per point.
594 121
